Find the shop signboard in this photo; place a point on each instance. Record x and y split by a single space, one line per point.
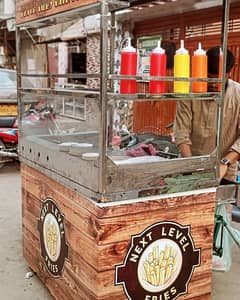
29 10
145 46
8 109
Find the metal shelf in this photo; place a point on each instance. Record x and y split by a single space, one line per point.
166 96
164 78
67 75
60 92
116 97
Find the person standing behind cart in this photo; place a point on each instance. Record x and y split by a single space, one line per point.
195 121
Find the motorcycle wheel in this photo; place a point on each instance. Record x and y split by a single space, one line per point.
2 146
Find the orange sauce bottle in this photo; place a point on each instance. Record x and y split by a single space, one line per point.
199 70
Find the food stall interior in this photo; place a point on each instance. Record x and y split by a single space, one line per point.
82 134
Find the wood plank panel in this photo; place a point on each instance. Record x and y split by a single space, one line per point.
106 230
104 256
198 17
99 235
81 274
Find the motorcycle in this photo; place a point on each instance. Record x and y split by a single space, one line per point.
38 121
8 139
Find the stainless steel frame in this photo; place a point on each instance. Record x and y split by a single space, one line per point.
109 179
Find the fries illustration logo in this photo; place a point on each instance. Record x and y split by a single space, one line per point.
159 263
52 237
54 249
159 266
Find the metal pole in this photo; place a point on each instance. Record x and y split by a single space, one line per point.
224 39
112 45
112 55
103 97
19 81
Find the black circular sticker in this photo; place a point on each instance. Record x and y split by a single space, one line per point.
54 249
159 263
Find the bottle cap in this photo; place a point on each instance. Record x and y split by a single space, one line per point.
129 48
199 51
182 50
159 49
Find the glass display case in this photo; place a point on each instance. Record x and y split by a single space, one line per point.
81 134
78 149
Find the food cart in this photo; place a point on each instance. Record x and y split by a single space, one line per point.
96 223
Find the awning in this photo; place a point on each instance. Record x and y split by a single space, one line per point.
70 31
82 28
74 31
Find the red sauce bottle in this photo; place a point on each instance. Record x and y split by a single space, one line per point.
158 66
128 67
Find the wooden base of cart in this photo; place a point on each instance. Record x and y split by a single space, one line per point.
97 247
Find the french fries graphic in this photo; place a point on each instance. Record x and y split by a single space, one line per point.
51 239
159 265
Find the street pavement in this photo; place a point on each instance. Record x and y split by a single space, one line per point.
13 268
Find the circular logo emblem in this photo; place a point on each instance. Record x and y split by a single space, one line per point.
159 263
51 237
54 249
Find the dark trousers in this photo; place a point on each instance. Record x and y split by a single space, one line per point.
226 182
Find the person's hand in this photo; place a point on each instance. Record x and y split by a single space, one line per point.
222 171
233 157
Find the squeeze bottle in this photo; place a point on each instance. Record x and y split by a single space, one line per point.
158 65
128 66
220 69
116 142
116 139
199 69
181 69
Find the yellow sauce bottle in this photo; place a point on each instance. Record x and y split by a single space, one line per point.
181 69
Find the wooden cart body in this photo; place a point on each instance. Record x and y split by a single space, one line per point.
105 240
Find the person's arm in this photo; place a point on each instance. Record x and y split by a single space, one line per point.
233 157
185 150
183 127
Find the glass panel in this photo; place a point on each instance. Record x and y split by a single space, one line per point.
74 107
62 121
146 128
59 115
136 132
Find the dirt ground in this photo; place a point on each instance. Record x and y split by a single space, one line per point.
13 268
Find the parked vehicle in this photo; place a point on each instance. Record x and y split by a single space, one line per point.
8 92
8 139
38 121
